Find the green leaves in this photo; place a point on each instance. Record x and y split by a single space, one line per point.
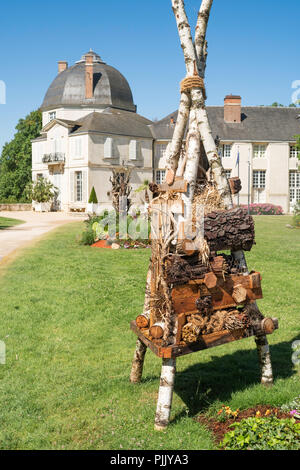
41 190
263 434
15 160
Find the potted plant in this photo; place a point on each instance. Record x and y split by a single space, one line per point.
41 192
93 206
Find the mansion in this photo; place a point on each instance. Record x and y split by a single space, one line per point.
90 126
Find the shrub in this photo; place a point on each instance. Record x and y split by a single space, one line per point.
264 209
41 190
263 434
93 197
87 237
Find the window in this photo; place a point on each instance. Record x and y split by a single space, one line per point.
294 186
259 179
294 151
259 151
228 173
52 115
78 183
161 150
160 176
227 150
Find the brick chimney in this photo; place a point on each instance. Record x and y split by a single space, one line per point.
62 65
89 82
232 108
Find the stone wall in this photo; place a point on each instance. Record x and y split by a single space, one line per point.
15 207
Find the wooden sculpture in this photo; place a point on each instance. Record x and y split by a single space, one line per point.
197 296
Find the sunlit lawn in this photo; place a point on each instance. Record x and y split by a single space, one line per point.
64 316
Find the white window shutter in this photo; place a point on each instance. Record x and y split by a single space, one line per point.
133 150
84 186
72 186
108 147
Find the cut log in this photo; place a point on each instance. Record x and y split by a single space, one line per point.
266 326
210 280
239 294
157 330
143 320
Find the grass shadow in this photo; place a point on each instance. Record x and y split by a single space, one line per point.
201 384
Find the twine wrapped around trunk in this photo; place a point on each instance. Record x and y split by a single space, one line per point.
188 83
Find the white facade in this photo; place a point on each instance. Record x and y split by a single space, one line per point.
76 163
268 170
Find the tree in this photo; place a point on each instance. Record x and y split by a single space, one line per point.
144 187
41 190
93 197
16 158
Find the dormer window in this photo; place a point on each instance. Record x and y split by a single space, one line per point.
227 150
259 151
52 115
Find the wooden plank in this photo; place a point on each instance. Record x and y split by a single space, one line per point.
179 186
181 320
184 296
211 340
176 206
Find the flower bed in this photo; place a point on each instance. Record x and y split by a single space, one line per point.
264 209
237 429
104 231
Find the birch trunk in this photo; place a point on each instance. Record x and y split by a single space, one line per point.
174 149
165 394
200 35
264 360
138 362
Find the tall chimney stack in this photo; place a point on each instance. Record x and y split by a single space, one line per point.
89 81
62 65
233 109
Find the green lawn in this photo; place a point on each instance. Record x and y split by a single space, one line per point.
64 316
6 222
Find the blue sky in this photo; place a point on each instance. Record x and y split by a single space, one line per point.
253 50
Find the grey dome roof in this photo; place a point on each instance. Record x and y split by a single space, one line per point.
110 87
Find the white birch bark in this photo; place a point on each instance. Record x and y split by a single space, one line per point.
200 35
264 357
173 150
165 394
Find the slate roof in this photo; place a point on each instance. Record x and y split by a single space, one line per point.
114 121
259 124
110 87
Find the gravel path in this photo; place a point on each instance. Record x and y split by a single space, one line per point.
36 224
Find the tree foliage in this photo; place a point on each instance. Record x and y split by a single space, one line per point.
41 190
15 160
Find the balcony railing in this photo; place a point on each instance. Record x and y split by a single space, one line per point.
57 157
